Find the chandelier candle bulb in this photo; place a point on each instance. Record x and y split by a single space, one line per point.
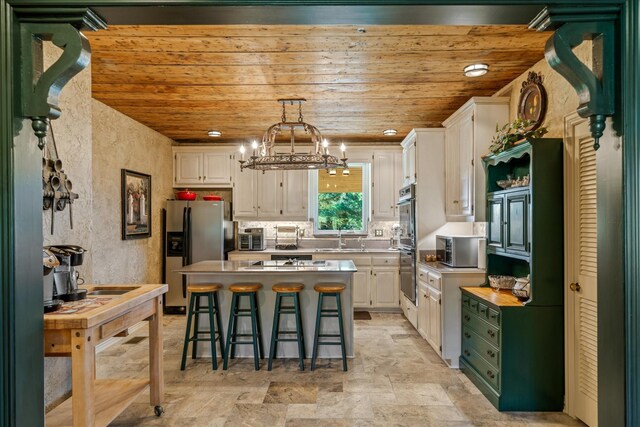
242 150
254 145
344 151
325 145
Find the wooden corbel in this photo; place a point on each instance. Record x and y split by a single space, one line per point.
595 88
41 91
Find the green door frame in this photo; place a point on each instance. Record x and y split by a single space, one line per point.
21 362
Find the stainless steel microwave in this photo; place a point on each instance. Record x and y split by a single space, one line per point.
458 251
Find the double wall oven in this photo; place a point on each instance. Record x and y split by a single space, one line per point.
407 243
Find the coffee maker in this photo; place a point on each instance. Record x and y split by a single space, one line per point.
66 277
49 262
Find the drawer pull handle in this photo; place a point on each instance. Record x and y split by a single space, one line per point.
483 310
493 316
491 353
467 335
466 353
491 374
491 333
466 317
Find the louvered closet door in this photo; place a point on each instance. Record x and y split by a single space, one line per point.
585 292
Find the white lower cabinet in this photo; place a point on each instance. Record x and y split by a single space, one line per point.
439 309
410 311
360 283
385 287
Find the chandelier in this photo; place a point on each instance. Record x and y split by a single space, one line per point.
265 158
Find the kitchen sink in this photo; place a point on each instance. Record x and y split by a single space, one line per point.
109 292
341 250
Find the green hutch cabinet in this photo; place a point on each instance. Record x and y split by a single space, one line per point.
513 350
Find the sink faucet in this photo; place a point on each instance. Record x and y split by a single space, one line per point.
341 244
363 246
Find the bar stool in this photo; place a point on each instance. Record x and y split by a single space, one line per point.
209 290
287 290
329 290
240 290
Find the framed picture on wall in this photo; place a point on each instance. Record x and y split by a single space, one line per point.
136 205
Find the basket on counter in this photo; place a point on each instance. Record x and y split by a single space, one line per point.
502 282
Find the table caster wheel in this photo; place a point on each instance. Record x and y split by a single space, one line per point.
158 410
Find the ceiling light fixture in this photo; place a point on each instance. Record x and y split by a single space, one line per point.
389 132
476 70
264 157
214 133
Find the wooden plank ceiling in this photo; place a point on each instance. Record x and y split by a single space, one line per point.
186 80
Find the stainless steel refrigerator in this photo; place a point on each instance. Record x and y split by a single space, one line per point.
194 231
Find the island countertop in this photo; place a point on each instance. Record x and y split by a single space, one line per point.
279 267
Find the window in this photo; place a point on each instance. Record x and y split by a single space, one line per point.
340 202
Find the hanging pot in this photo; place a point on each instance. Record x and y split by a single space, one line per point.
186 195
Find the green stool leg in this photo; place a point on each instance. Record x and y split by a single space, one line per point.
259 325
344 353
254 330
219 322
274 331
196 323
300 335
236 307
212 336
186 335
230 330
317 332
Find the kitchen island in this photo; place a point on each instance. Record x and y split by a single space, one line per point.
268 273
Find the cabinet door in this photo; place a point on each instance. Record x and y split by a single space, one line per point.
385 290
465 171
398 181
517 213
188 168
245 194
360 284
452 169
295 194
270 194
409 163
434 336
496 222
383 186
423 312
216 168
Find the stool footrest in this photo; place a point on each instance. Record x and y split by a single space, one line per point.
214 311
286 339
329 343
241 342
328 335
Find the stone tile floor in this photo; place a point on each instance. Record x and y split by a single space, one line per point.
395 380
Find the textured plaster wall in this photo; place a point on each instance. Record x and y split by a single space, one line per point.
561 98
73 139
120 142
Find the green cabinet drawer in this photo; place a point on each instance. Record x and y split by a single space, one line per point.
482 327
486 371
494 317
473 305
465 301
471 340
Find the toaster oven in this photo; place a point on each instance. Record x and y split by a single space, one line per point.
458 251
251 239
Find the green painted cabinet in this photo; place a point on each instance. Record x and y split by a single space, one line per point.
511 349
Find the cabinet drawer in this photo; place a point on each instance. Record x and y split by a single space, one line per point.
494 317
435 281
390 261
471 340
482 327
486 371
423 275
473 305
466 301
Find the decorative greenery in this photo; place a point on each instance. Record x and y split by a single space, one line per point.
509 134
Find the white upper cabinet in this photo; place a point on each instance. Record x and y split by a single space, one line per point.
387 180
409 174
467 138
273 195
202 167
295 194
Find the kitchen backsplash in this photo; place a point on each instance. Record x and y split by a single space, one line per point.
307 228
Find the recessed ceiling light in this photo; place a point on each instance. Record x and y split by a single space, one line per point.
389 132
476 70
214 133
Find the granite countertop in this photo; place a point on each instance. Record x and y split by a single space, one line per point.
445 269
311 251
233 267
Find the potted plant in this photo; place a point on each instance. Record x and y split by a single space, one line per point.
507 136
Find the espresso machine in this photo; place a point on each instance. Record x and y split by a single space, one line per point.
66 277
49 262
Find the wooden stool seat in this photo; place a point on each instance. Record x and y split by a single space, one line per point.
204 287
287 287
329 287
245 287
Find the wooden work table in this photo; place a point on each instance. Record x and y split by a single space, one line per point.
77 328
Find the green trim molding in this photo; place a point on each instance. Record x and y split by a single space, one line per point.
595 88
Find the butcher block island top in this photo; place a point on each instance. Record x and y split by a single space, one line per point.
278 267
75 330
